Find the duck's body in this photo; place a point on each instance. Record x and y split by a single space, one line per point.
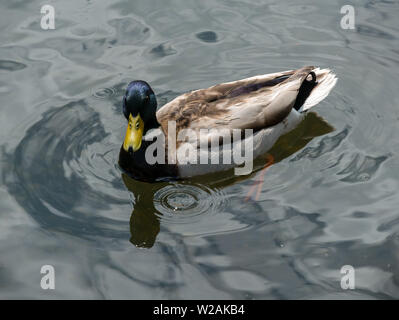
271 105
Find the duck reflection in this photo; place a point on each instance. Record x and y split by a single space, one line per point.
145 218
144 224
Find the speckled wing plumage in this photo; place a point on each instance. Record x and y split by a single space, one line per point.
271 105
252 103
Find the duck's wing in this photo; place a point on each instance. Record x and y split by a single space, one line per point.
253 103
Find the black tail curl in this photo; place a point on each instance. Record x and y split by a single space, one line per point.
304 91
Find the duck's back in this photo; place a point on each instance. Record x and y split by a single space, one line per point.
253 103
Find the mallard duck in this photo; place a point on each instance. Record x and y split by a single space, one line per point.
271 105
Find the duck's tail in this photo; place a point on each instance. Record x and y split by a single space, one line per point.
325 81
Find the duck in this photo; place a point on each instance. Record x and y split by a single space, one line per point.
267 106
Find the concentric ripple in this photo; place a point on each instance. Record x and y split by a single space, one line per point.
104 93
185 203
64 173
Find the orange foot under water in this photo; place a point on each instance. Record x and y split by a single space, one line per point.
258 184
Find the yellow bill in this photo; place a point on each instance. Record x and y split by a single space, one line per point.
134 133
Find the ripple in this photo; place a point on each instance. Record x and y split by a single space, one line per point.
207 36
371 31
163 50
128 31
185 203
290 9
65 177
360 170
11 65
326 144
84 32
104 93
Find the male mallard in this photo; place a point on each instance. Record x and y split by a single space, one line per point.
271 105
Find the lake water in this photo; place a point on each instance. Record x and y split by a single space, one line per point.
331 199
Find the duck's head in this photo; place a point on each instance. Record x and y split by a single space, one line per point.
139 108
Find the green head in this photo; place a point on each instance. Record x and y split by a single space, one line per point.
139 108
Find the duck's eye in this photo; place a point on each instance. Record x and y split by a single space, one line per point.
146 99
137 125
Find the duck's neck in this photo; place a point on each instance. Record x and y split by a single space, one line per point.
135 165
151 124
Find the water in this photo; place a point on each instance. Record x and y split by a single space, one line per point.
330 200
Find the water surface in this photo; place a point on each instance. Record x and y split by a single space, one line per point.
331 198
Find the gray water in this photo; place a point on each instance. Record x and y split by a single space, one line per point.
331 198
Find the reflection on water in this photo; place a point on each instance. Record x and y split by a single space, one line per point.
183 203
329 200
11 65
362 171
326 144
51 167
144 224
196 200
